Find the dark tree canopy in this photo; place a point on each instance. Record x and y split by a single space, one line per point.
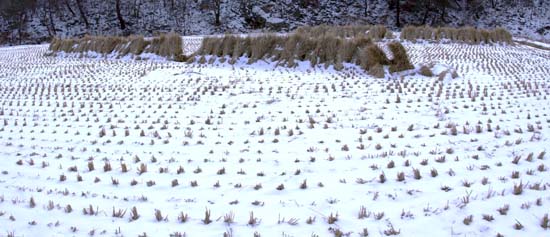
11 8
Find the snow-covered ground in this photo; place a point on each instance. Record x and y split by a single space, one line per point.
274 151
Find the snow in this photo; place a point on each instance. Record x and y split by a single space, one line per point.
347 128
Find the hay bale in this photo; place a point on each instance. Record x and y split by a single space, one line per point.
408 33
377 71
427 33
153 47
55 44
501 35
360 43
371 56
167 45
207 45
109 44
170 45
135 45
228 43
426 71
289 52
350 31
262 46
327 49
464 34
485 36
278 48
377 32
400 61
67 45
320 44
242 47
346 51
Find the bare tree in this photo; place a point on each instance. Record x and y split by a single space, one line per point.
119 15
366 7
52 6
397 5
217 5
68 5
82 13
136 8
179 10
44 12
17 9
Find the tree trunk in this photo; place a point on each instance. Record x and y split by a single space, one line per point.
425 18
217 12
82 13
366 7
397 13
22 20
443 15
119 16
217 16
52 25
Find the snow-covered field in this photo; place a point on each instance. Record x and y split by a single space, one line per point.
93 147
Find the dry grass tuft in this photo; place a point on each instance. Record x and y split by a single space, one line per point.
545 222
391 230
332 218
32 203
118 213
518 188
252 221
207 219
229 218
159 217
183 217
134 214
468 220
363 213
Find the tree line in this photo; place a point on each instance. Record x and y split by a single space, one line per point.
128 15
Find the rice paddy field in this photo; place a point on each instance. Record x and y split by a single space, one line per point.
112 147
